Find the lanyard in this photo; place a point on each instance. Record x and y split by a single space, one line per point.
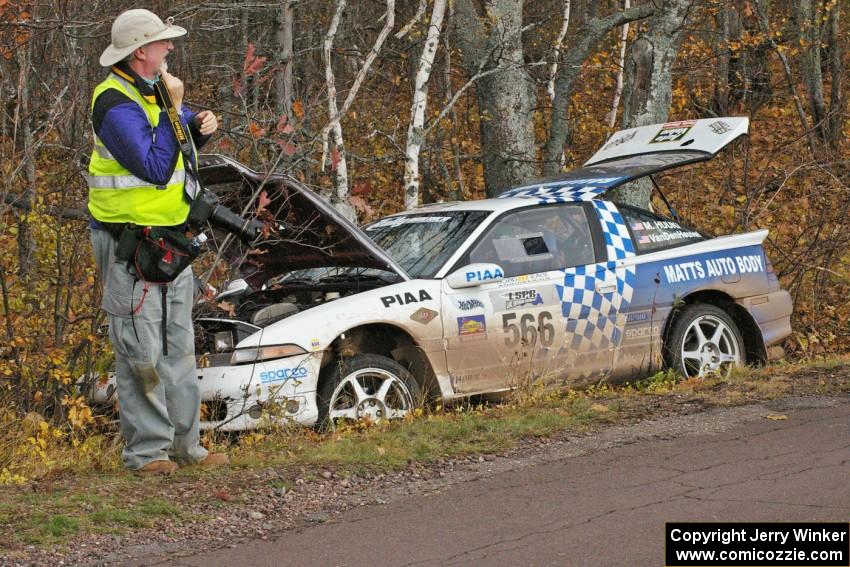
183 138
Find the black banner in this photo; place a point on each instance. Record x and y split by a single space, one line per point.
745 544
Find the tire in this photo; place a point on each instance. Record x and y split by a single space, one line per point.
386 391
703 340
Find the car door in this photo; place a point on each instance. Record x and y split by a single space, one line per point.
501 334
595 300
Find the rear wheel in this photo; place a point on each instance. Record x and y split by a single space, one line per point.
367 387
704 340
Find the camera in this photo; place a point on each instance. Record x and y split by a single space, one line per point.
207 207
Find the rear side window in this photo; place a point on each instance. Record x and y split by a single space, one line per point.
652 232
536 240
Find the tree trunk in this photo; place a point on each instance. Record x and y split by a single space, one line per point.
721 76
810 64
283 75
618 89
26 240
589 35
835 118
556 51
490 39
650 87
420 101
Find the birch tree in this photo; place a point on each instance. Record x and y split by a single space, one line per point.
618 90
588 36
420 101
556 50
339 165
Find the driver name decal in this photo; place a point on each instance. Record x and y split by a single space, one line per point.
713 267
404 299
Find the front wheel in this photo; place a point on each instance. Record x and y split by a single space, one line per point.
367 387
704 340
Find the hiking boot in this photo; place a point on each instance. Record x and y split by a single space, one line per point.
214 460
157 467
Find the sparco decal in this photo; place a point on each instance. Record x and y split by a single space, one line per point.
282 374
404 299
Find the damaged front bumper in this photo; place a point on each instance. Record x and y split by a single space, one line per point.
247 396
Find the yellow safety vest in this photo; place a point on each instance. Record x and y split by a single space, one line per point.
115 194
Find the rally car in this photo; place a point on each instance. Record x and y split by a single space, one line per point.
549 282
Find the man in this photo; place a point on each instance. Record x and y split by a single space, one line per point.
138 175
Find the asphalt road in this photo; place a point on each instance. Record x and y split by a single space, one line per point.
604 506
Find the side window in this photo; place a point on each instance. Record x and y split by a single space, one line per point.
651 232
537 240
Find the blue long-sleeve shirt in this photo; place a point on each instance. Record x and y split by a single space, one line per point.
123 127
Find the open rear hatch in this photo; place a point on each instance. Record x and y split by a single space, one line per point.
637 152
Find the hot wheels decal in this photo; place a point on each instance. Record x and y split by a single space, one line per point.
468 304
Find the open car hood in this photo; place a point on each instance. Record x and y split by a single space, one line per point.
316 234
636 152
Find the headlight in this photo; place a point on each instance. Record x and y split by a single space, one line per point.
223 341
256 354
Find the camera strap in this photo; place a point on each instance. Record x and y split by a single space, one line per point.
184 140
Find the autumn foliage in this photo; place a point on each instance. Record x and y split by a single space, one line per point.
787 176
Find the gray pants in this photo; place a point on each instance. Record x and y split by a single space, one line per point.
159 395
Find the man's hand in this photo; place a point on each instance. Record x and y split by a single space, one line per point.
174 86
206 122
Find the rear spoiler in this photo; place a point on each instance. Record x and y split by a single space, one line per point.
637 152
707 136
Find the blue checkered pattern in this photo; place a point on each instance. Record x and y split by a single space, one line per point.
596 320
618 242
556 193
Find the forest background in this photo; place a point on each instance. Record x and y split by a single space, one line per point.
380 105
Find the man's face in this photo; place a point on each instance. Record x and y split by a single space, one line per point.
152 56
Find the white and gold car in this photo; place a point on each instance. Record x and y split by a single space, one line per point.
547 282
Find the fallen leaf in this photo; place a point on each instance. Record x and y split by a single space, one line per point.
381 451
263 201
223 495
601 408
776 416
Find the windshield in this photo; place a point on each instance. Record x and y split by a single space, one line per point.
422 243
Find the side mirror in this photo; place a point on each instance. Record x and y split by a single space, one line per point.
474 275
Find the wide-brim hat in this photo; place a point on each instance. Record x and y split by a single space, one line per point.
135 28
